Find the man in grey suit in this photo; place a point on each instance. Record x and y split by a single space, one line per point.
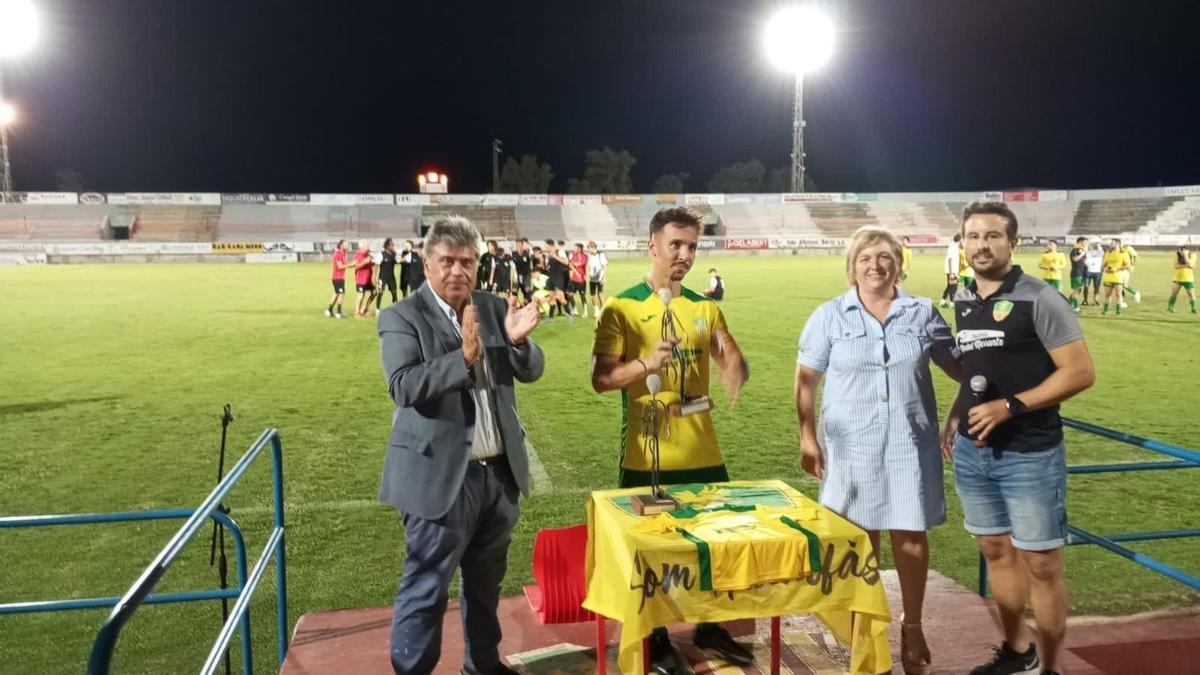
456 454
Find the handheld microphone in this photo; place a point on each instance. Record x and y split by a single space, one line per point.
654 384
979 385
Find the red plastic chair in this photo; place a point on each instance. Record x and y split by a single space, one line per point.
558 569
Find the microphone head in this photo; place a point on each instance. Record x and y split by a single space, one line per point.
979 384
664 294
654 383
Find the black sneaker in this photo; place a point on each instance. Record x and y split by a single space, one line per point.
663 659
718 640
1008 662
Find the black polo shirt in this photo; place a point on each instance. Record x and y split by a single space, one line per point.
1007 338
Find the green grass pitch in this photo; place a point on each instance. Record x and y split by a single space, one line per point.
114 377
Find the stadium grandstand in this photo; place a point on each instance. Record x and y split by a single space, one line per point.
52 223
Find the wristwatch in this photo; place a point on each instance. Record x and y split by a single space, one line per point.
1014 405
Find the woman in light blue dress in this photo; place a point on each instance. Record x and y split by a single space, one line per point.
874 446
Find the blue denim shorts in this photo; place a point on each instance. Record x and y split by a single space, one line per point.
1023 493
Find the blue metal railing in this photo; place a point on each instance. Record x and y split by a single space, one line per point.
140 593
1186 459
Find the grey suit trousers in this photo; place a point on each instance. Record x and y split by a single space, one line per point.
473 535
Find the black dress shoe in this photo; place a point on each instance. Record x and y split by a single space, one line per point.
499 669
718 641
663 659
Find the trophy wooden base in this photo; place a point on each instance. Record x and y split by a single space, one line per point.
695 405
649 505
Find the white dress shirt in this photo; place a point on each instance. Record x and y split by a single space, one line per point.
485 441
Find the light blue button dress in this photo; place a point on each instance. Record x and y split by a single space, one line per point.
878 422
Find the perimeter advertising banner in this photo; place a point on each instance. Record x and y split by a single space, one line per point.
351 200
286 198
747 244
51 198
621 199
800 197
1181 191
414 200
165 198
131 248
243 198
237 247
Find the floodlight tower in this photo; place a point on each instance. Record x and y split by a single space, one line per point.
798 40
18 32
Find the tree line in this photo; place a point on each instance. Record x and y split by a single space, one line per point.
608 171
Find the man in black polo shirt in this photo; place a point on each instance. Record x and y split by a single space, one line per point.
1023 353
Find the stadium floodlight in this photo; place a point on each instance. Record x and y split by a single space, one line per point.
798 40
433 182
18 27
8 114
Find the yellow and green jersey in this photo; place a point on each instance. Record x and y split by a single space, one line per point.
1052 265
1114 263
630 325
905 259
1186 274
1131 252
964 268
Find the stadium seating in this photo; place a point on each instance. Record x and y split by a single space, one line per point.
753 219
539 223
277 222
840 219
633 220
588 222
1182 217
493 222
381 222
1114 216
171 223
51 223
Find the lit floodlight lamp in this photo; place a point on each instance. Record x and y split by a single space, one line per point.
18 27
8 114
799 39
432 182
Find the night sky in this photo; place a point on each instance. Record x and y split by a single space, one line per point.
325 96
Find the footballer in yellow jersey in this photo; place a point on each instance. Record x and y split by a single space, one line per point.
1052 264
1126 285
1185 277
905 258
629 345
966 273
633 341
1115 262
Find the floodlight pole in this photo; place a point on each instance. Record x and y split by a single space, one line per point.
798 136
497 148
6 186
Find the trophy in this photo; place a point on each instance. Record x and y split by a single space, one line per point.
658 501
688 405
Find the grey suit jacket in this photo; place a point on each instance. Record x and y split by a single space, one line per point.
429 445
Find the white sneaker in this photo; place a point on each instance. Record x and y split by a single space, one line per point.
1137 297
338 316
1124 305
329 314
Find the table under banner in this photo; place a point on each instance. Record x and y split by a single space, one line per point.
734 550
